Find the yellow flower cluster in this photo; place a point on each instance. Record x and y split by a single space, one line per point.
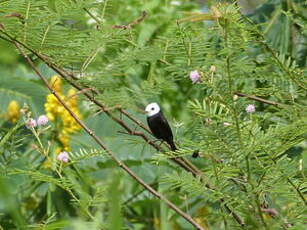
13 111
57 113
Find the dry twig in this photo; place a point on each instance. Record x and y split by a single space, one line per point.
132 24
255 98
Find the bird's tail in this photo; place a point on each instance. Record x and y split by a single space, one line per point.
174 148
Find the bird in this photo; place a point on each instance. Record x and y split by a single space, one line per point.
158 125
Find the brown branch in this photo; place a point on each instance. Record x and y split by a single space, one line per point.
77 93
255 98
108 151
132 24
234 215
139 123
16 15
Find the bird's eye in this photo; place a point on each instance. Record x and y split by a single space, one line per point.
152 108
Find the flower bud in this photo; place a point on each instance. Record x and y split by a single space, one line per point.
194 76
13 111
42 120
250 108
212 68
31 123
63 157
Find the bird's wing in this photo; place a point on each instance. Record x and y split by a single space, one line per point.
167 127
160 127
168 133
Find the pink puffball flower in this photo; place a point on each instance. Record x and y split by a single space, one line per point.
63 157
250 108
42 120
194 76
31 123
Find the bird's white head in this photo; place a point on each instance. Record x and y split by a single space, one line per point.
152 109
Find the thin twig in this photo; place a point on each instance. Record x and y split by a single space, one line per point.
255 98
135 121
108 151
132 24
78 93
137 194
92 16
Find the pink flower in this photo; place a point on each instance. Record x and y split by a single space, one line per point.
63 156
194 76
31 123
42 120
250 108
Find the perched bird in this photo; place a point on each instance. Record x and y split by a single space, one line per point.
159 125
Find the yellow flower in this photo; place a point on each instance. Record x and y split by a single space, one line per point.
70 125
13 111
52 106
64 138
56 112
72 98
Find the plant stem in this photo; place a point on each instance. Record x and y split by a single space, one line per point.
230 83
255 98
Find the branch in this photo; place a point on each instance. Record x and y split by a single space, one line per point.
108 151
92 16
258 99
131 24
139 123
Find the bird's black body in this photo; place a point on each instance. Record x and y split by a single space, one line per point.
161 129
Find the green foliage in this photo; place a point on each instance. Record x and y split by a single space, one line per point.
250 162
